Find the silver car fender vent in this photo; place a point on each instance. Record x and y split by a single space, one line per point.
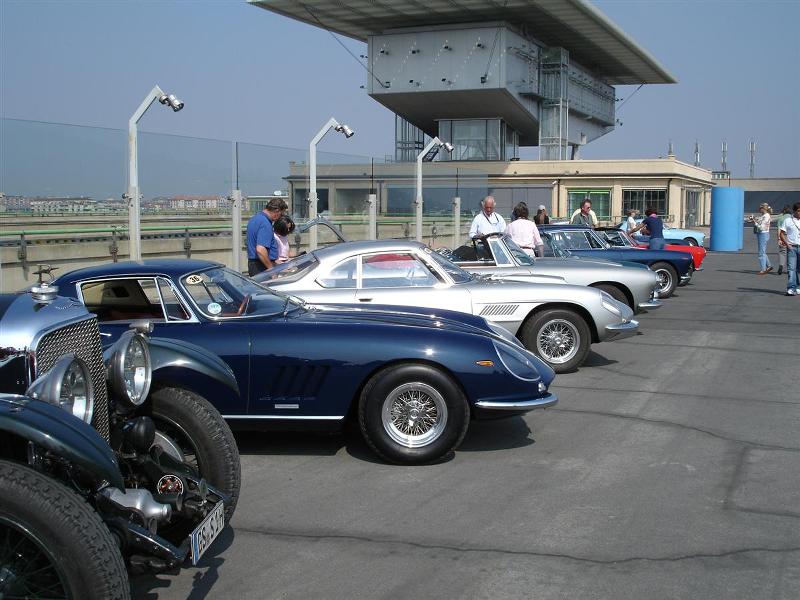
499 310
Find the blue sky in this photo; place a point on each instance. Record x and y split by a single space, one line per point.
250 75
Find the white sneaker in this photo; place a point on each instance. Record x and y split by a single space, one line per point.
791 292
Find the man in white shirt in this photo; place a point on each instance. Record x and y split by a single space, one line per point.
486 221
789 234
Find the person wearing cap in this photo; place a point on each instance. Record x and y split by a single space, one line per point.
262 247
781 246
789 234
541 217
761 229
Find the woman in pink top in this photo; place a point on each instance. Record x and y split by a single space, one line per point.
282 228
524 232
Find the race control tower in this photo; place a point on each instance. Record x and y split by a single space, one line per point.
488 76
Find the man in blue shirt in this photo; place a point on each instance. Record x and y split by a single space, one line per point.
262 248
655 227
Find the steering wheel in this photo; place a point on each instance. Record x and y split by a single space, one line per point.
243 306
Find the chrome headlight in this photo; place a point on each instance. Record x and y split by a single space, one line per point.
67 385
610 304
129 369
518 364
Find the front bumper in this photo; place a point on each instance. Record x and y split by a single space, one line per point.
620 331
519 406
650 305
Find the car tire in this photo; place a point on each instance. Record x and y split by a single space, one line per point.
667 278
202 435
399 393
691 241
558 336
616 293
47 528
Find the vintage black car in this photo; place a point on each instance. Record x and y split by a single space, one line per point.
105 461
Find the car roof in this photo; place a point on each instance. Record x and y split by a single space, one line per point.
345 249
172 267
554 227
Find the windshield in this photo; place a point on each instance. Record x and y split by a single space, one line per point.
522 257
220 292
458 274
555 247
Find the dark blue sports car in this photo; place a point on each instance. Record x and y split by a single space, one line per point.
412 378
673 268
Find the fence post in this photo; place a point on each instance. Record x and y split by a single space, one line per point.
22 254
236 231
456 222
187 244
372 208
113 247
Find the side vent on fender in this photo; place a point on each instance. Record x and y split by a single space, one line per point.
499 310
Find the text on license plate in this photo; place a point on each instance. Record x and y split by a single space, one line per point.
205 533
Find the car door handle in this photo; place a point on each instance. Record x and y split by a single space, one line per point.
365 299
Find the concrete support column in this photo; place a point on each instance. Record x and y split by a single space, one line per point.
616 201
676 202
372 211
236 230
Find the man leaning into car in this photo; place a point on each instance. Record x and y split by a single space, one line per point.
262 247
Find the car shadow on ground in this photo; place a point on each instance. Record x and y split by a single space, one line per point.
206 573
593 359
497 434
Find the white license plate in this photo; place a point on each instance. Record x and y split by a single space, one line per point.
205 533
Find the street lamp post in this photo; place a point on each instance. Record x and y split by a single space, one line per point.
134 229
312 171
428 154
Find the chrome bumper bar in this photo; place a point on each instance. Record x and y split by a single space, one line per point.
622 330
650 305
543 402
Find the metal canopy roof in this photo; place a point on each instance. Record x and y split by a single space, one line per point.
592 39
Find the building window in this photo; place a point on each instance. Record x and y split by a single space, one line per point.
300 202
600 199
437 201
478 139
641 200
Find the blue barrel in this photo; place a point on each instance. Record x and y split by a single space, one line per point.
727 219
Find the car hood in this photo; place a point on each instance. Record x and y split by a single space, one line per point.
396 316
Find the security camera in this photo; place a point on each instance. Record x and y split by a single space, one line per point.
448 146
348 133
171 101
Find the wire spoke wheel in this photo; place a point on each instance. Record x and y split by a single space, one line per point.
558 341
414 414
27 570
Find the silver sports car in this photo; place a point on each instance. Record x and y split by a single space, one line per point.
497 254
556 321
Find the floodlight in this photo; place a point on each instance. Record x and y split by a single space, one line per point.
348 133
448 146
171 101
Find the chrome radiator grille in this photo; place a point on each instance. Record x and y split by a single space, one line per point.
83 339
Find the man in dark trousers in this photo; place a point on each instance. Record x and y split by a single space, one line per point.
262 248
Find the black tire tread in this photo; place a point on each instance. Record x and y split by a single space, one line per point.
362 413
675 278
102 574
184 408
531 327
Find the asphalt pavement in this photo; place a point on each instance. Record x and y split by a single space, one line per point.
669 469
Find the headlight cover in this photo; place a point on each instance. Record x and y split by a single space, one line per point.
130 370
67 385
504 333
610 304
519 365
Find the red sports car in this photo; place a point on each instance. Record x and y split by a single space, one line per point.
618 237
